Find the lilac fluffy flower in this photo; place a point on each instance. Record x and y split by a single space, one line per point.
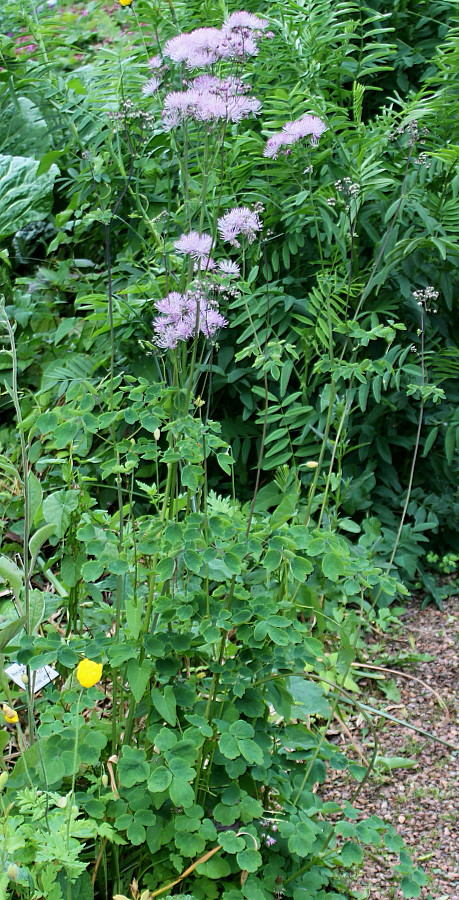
210 99
197 48
151 86
292 132
181 315
155 62
205 265
204 46
239 221
229 267
196 245
244 19
236 44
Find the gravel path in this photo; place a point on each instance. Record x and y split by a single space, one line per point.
422 802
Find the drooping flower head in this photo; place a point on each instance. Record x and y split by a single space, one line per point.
239 221
292 132
196 245
10 714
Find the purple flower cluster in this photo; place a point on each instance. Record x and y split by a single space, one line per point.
292 132
239 221
196 245
236 39
210 99
182 315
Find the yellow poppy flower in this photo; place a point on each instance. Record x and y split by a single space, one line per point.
10 714
88 672
125 2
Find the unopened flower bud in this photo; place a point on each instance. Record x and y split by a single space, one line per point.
156 434
62 802
25 678
311 464
12 872
3 780
104 779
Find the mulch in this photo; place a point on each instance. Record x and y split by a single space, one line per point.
421 802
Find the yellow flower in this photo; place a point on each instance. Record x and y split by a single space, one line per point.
88 672
125 2
10 714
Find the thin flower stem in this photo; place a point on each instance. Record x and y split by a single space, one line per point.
71 796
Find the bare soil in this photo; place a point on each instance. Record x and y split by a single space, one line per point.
422 802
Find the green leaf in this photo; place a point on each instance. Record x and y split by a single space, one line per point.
8 632
57 509
302 841
409 887
241 729
136 833
230 842
132 767
165 569
229 746
181 793
301 568
92 570
138 677
309 698
351 854
394 762
39 538
35 495
193 561
159 780
11 573
190 844
250 860
217 867
226 815
333 566
251 752
180 768
25 197
27 130
164 702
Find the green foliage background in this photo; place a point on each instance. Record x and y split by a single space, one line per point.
218 529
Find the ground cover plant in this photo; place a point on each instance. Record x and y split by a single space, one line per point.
229 374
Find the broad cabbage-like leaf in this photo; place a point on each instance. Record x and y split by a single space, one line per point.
24 196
